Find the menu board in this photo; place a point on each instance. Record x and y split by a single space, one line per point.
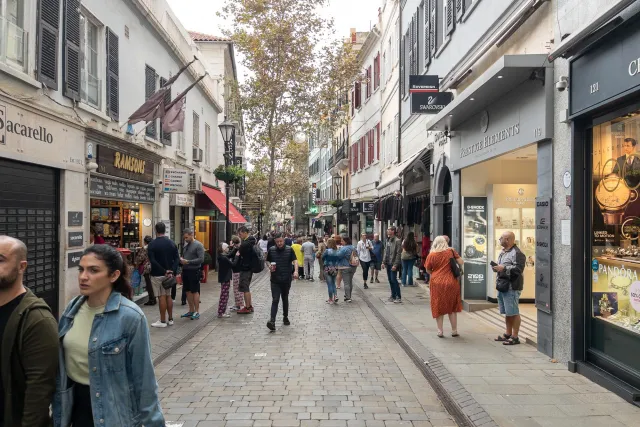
109 188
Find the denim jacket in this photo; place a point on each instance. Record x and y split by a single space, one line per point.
124 391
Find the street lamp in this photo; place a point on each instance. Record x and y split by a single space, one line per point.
227 129
338 180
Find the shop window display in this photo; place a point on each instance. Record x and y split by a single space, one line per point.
615 289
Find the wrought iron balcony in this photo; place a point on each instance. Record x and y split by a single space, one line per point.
340 154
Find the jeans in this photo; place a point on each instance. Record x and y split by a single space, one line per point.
407 271
279 290
365 270
347 279
308 267
392 276
331 285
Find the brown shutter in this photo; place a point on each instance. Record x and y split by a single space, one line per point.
451 17
71 58
149 90
402 55
433 28
48 34
427 32
113 75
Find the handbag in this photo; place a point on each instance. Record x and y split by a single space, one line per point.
455 267
354 261
169 282
331 271
136 278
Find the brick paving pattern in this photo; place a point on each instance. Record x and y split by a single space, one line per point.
335 366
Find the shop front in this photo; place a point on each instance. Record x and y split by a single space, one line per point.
210 217
500 131
122 191
605 110
42 176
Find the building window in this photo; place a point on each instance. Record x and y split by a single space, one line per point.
376 72
207 144
90 83
13 37
150 78
369 82
196 130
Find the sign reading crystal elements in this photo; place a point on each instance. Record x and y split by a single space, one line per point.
74 219
543 254
430 102
75 239
73 259
107 188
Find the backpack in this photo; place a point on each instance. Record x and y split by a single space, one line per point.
257 260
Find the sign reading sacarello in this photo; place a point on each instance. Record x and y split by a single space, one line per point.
490 140
8 126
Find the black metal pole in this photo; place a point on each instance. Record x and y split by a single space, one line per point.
228 225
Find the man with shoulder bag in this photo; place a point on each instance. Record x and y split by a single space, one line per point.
164 259
509 284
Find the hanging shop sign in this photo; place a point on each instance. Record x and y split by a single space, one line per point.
183 200
124 165
424 84
474 247
116 189
349 207
609 70
367 207
175 181
313 193
430 102
543 254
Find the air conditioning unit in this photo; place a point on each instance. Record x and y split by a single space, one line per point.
195 182
197 155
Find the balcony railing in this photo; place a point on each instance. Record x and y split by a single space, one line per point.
90 90
13 44
341 153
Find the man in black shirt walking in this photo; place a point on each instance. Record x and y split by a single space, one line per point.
279 259
164 259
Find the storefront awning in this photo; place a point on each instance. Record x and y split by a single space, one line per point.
504 75
328 213
220 200
395 172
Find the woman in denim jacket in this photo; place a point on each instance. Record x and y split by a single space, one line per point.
346 268
331 260
106 375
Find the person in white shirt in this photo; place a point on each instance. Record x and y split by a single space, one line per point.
309 252
263 243
364 247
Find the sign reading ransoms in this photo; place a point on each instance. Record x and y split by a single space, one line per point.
430 102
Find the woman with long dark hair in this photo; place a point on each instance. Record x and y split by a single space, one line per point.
408 256
106 373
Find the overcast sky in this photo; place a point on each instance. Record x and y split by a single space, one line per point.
200 15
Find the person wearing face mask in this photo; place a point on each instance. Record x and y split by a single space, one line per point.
106 374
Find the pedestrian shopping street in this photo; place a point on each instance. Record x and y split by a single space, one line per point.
339 366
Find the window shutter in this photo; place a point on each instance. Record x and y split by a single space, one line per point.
353 101
149 90
433 28
362 153
378 139
402 54
416 42
427 33
113 73
371 146
71 58
411 44
47 51
450 17
459 9
165 137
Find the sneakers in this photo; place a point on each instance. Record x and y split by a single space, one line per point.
195 316
225 315
170 322
348 300
366 286
271 324
234 308
251 308
398 301
245 310
187 314
391 299
286 321
159 324
312 280
377 281
372 280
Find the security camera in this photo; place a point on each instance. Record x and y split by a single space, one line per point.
562 84
160 182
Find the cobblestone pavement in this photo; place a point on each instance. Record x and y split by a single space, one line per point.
516 386
335 366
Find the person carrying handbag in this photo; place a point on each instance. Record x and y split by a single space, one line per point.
444 285
364 249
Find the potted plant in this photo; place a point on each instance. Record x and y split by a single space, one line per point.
229 174
206 265
335 203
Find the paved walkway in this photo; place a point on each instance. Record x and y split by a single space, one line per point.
335 366
516 386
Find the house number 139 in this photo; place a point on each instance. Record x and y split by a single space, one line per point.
593 88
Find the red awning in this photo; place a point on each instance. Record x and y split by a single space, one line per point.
220 200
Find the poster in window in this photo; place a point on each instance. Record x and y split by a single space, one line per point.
474 248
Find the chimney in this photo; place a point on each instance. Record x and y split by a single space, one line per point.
354 36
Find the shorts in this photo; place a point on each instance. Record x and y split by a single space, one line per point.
508 302
158 290
245 281
191 281
377 265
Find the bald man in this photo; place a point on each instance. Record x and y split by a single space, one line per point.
28 344
509 284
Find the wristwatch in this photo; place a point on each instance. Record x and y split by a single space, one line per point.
613 196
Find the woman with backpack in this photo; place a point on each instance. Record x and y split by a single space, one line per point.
349 263
408 256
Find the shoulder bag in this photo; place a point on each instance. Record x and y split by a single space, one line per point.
453 264
169 282
354 261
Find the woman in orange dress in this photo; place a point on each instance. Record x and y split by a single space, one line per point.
444 286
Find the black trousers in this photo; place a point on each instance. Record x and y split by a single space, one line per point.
82 415
278 291
149 288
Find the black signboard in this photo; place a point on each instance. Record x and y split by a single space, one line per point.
474 247
430 102
74 219
543 254
367 207
108 188
124 165
609 70
349 207
418 84
76 239
73 259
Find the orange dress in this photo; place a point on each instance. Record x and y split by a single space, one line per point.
445 289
